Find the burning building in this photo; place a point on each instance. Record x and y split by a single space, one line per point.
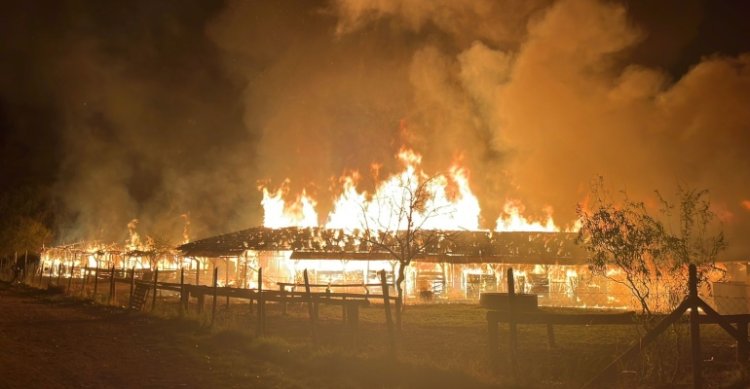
457 267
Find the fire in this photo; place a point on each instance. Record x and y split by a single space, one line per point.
134 240
279 214
514 221
450 203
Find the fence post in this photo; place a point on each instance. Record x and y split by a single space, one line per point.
215 287
112 285
261 305
59 273
388 317
153 297
310 308
513 338
96 281
132 285
40 267
282 290
226 278
70 280
51 273
84 279
742 351
695 337
182 291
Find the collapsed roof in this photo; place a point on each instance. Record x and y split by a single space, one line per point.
443 246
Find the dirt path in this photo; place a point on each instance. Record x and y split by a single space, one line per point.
47 344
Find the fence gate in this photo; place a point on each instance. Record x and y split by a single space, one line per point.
138 299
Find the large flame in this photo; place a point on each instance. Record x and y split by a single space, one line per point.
449 203
278 214
513 220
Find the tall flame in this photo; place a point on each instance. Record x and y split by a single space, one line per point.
449 203
512 220
278 214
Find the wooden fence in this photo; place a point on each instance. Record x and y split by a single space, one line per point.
145 285
735 325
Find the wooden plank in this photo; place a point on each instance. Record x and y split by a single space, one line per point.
552 318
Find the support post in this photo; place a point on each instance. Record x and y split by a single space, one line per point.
261 305
215 290
513 336
59 273
388 317
695 337
310 308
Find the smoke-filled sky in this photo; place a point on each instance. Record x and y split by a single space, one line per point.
152 110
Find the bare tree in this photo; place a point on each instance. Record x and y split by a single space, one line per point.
646 248
691 236
622 236
397 224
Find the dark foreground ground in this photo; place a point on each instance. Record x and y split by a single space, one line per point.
49 341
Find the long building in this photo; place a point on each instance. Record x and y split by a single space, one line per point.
454 266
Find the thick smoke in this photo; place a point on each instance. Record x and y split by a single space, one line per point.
142 121
165 110
569 104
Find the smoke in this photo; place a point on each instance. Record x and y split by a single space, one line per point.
569 104
143 122
156 111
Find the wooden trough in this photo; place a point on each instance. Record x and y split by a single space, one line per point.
502 301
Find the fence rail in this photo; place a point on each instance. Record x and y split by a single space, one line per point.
144 284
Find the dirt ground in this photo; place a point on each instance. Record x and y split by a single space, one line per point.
49 343
52 341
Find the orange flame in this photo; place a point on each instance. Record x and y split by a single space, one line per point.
450 203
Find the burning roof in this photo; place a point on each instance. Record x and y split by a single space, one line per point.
450 246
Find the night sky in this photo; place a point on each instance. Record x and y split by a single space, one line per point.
152 110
